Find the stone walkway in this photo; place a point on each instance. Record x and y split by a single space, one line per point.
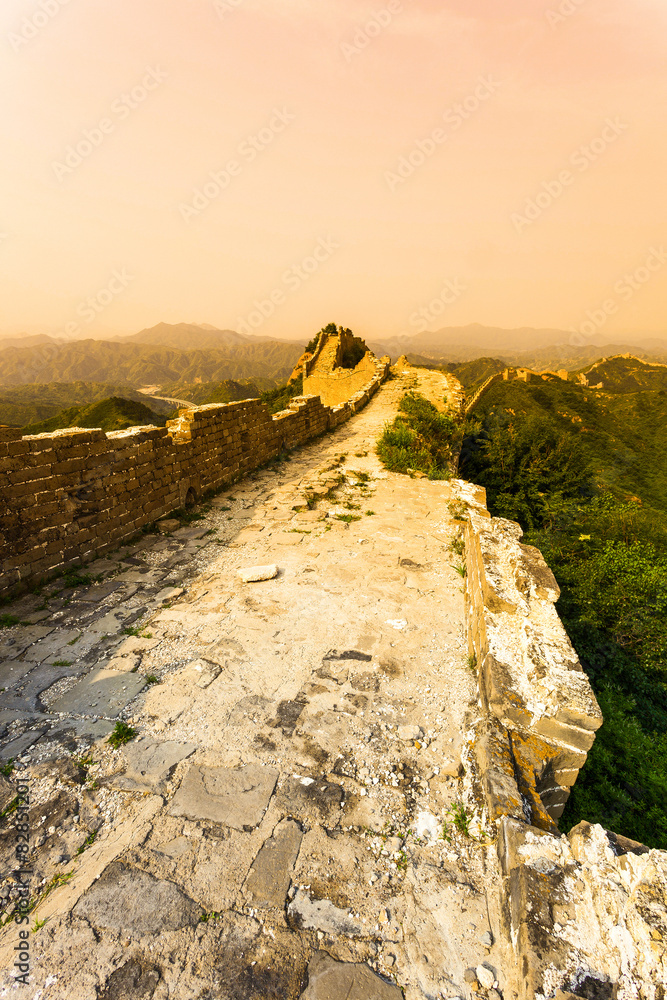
275 829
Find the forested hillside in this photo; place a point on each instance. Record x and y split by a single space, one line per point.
30 404
585 473
139 364
115 414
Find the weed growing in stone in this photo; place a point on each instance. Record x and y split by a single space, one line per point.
369 513
72 578
460 820
90 839
8 621
458 546
62 878
63 663
38 924
12 807
152 679
132 630
458 510
7 768
348 518
461 570
122 734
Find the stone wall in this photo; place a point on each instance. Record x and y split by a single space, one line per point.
584 915
72 495
540 713
323 375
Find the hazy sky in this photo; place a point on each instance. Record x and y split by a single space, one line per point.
389 165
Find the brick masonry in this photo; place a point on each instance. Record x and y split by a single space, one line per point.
73 495
324 376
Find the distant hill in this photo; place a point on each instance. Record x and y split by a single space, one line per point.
139 364
202 393
26 340
115 414
619 432
626 373
525 347
33 403
192 337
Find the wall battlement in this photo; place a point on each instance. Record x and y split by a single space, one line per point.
325 375
70 495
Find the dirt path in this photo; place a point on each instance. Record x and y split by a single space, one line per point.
276 831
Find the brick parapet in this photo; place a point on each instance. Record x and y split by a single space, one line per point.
69 495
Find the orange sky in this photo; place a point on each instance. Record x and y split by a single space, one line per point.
366 155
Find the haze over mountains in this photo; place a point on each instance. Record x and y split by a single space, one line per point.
529 347
236 350
202 363
164 354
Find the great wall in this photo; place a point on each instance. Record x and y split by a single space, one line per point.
349 766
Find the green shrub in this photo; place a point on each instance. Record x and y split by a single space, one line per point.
609 555
419 439
279 399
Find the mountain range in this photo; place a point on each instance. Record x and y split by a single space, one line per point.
163 355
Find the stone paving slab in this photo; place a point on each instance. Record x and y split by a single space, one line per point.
11 672
150 762
41 677
331 980
236 798
99 593
271 870
15 644
18 746
322 915
131 901
71 734
311 800
103 692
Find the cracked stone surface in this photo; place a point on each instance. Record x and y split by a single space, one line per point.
271 871
149 763
257 839
234 797
331 980
129 900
